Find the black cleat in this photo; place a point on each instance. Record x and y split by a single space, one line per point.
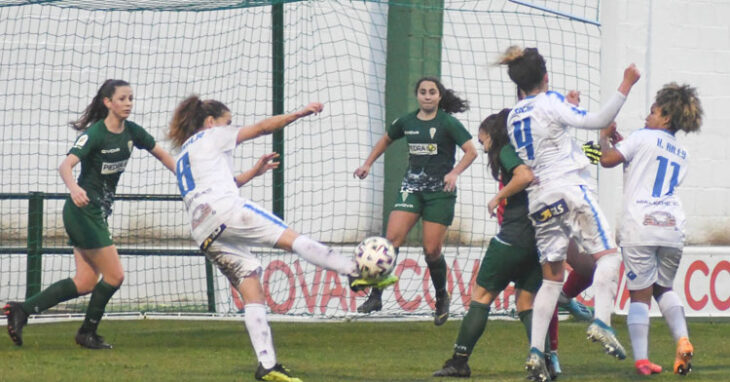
443 300
91 340
374 303
17 319
276 373
454 367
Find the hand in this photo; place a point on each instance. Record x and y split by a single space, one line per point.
362 172
450 182
79 197
265 163
631 74
616 137
573 97
592 151
312 108
492 206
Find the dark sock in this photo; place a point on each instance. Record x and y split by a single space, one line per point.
576 283
553 331
55 294
438 274
472 327
376 293
101 295
526 318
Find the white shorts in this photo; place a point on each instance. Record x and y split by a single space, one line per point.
649 265
247 225
564 213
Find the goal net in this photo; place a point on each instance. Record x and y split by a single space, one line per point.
55 54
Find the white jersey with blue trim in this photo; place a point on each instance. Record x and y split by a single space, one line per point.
204 170
538 127
655 165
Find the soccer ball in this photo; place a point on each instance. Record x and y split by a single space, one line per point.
375 257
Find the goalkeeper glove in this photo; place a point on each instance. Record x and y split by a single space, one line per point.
592 151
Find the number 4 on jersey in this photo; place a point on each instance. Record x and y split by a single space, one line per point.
523 137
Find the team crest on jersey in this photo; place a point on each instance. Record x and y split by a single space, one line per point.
129 145
81 141
660 219
432 132
404 196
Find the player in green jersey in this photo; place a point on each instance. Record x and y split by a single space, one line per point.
103 150
512 253
428 189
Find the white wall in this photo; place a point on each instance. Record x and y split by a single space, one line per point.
686 41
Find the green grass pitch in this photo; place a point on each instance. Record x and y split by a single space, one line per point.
162 350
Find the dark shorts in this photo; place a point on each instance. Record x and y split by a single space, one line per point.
503 263
86 226
433 206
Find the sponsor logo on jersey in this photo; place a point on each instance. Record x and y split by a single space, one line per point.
113 167
660 219
81 141
548 212
432 132
423 148
631 275
211 238
199 214
411 132
110 151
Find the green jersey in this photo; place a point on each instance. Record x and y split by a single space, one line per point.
431 147
516 228
104 156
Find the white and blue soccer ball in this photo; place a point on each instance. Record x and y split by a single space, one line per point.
375 257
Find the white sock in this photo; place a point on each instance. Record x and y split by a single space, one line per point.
260 334
542 311
673 312
322 256
638 323
605 282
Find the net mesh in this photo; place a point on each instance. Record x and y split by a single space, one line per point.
54 55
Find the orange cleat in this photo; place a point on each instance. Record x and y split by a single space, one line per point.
646 367
682 361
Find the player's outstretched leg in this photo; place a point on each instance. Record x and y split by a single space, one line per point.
276 373
646 367
536 367
682 361
577 309
17 318
454 367
604 334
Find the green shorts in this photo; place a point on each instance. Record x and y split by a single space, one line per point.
86 226
504 263
433 206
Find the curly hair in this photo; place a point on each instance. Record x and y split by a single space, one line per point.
681 104
450 102
190 116
525 67
495 126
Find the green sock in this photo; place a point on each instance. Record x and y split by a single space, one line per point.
472 327
55 294
438 274
526 318
101 295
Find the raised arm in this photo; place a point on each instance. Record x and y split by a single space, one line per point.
378 150
522 176
163 156
78 194
470 153
271 124
610 157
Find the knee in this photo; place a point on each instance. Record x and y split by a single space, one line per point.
85 284
396 240
114 278
432 251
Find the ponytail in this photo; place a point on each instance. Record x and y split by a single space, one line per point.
96 110
190 115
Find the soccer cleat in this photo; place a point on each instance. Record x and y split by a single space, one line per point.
599 331
17 319
454 367
358 283
277 373
441 314
646 367
685 351
578 310
553 365
372 304
536 368
91 340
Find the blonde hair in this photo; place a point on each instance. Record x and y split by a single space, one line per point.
681 104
